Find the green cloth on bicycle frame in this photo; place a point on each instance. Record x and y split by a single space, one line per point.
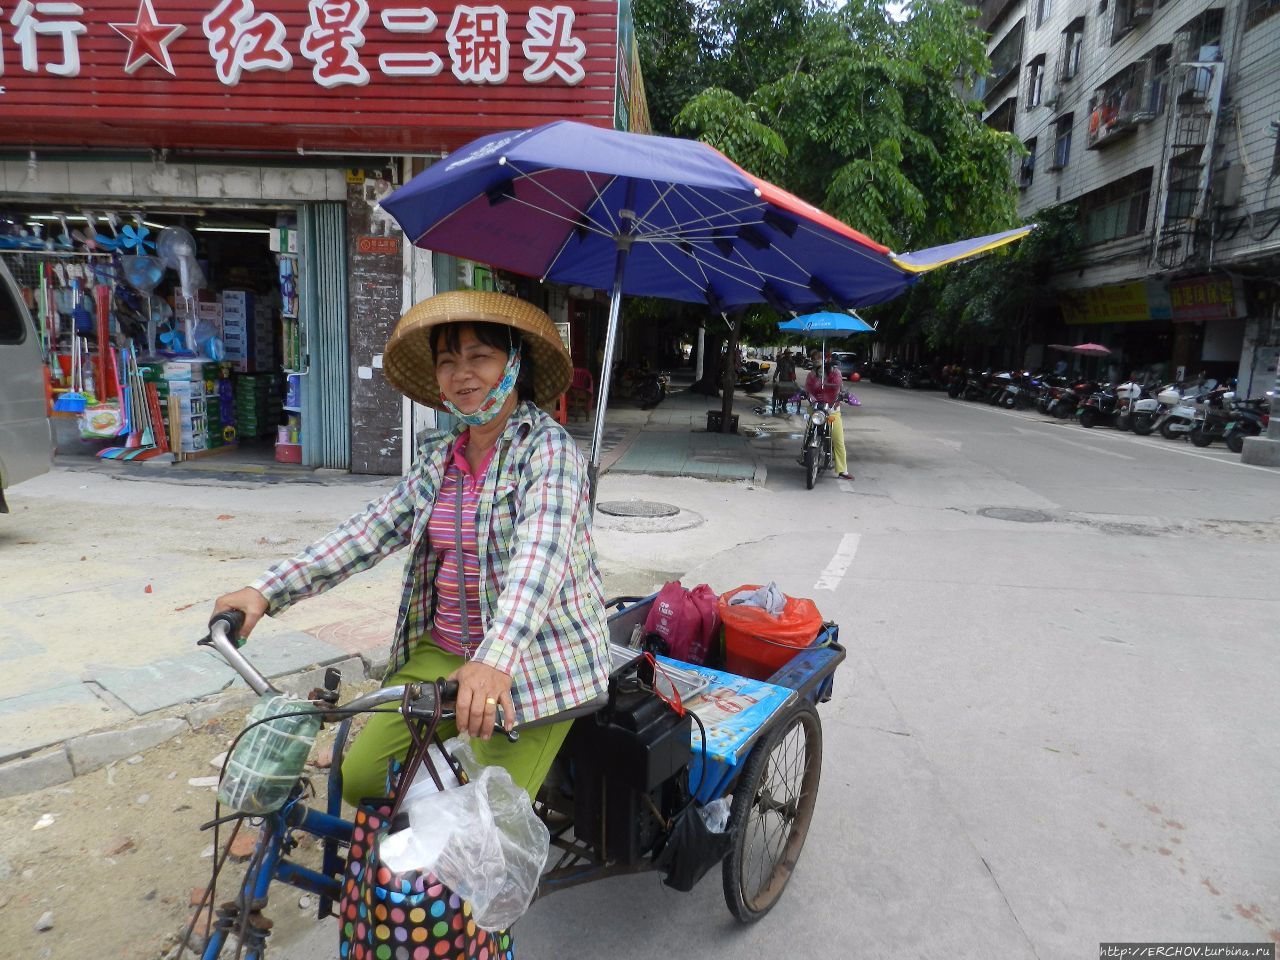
364 771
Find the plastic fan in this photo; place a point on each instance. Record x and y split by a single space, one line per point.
142 273
173 245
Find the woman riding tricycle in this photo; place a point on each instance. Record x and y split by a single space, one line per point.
502 598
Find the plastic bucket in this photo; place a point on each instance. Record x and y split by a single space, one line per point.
757 644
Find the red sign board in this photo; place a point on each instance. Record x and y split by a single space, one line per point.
382 246
1206 298
395 75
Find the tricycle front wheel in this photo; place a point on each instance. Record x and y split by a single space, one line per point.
772 807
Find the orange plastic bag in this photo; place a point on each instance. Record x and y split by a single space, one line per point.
757 644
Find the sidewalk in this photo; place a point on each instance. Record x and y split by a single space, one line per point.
671 440
109 568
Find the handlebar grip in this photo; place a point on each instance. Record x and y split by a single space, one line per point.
449 690
233 620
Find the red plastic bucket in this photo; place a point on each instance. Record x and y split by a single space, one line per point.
756 644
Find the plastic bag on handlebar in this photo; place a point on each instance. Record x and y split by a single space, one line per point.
482 840
269 758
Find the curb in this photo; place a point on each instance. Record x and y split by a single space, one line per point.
91 751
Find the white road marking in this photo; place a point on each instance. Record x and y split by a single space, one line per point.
839 564
1167 446
1074 443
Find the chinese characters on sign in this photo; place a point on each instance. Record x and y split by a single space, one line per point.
1206 298
243 38
31 21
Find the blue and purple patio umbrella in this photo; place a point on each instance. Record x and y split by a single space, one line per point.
649 216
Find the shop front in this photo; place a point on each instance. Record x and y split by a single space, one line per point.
1132 319
203 183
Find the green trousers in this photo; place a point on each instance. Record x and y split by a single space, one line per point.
364 770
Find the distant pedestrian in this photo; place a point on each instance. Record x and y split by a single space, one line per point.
784 381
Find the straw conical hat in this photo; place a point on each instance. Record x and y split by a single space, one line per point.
411 369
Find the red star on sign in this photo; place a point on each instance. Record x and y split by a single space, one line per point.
148 39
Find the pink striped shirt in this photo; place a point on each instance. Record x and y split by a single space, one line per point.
446 630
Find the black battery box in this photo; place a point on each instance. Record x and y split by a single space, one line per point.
627 763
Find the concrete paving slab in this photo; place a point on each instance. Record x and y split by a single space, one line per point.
43 717
95 750
291 651
165 682
35 773
685 453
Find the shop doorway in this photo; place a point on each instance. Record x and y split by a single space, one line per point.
184 328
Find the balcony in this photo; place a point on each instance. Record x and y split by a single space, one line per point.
1110 120
1119 105
1129 14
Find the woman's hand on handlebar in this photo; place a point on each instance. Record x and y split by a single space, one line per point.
481 690
248 601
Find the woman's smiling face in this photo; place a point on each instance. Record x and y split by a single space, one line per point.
467 374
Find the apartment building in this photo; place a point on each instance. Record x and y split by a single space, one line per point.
1160 121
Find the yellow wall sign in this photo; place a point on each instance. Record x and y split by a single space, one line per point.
1124 303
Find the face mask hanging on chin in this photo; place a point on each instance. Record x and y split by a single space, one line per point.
496 396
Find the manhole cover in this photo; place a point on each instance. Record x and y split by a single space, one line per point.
1015 514
637 508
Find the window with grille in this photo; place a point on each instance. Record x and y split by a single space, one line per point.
1027 168
1035 82
1072 49
1184 191
1259 10
1062 142
1116 210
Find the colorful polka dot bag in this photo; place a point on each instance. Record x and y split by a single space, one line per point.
406 916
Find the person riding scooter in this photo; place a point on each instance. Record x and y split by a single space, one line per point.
823 383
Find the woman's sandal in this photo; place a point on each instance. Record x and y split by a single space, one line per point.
844 476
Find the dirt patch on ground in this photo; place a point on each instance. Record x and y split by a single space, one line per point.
122 852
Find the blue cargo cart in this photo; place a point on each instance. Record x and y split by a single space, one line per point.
631 766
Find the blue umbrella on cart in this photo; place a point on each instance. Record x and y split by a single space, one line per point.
652 216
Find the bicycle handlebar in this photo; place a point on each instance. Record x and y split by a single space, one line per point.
224 637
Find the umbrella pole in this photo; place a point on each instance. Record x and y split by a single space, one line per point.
606 367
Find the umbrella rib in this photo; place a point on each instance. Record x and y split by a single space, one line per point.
604 229
672 265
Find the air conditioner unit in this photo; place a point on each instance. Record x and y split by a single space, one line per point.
1226 185
1052 96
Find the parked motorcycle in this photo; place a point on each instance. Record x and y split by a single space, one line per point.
1019 392
1252 418
1110 406
1180 416
751 376
648 388
1148 409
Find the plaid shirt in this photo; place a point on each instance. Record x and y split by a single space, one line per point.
541 597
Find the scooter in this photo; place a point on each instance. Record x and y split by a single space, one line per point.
1180 417
1147 410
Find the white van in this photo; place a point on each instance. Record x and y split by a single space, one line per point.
26 437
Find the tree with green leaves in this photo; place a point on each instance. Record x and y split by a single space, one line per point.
859 113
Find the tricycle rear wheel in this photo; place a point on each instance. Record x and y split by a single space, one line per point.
772 806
